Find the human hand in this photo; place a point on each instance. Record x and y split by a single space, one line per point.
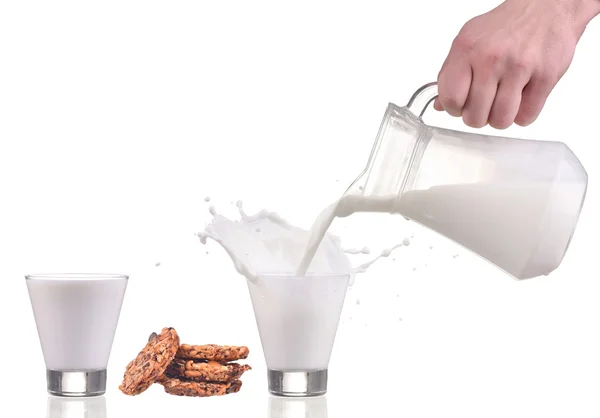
503 64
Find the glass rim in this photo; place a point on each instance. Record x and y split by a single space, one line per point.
76 276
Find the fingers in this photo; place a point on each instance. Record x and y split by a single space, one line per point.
507 101
499 93
481 97
534 97
454 82
492 84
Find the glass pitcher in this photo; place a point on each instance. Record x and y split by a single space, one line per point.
514 202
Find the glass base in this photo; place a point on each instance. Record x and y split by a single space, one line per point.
297 383
76 384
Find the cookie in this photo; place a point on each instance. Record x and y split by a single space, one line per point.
180 387
151 362
201 371
220 353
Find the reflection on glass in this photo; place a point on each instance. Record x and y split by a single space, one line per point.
60 407
282 407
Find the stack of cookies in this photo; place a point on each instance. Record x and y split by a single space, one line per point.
185 370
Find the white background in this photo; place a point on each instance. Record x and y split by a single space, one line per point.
117 119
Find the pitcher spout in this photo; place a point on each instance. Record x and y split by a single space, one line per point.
392 165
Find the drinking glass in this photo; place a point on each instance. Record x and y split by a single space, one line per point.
76 317
297 319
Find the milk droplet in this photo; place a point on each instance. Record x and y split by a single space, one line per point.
431 247
358 301
202 237
207 199
207 252
361 188
406 242
363 250
212 210
258 229
239 203
157 264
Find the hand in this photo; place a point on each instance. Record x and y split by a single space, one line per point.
503 64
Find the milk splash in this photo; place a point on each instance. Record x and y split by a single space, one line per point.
266 243
341 208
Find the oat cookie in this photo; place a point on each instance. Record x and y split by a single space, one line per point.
200 389
221 353
150 363
202 371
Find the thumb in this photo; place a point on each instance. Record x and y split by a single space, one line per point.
437 105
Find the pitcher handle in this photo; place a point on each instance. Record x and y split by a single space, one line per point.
422 98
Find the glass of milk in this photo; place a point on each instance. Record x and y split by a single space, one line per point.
76 317
297 319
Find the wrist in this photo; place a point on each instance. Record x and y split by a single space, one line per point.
571 14
578 12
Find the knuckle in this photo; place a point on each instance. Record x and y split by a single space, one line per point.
527 114
464 41
448 100
474 121
451 104
523 121
500 115
486 59
522 64
491 56
499 123
546 79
